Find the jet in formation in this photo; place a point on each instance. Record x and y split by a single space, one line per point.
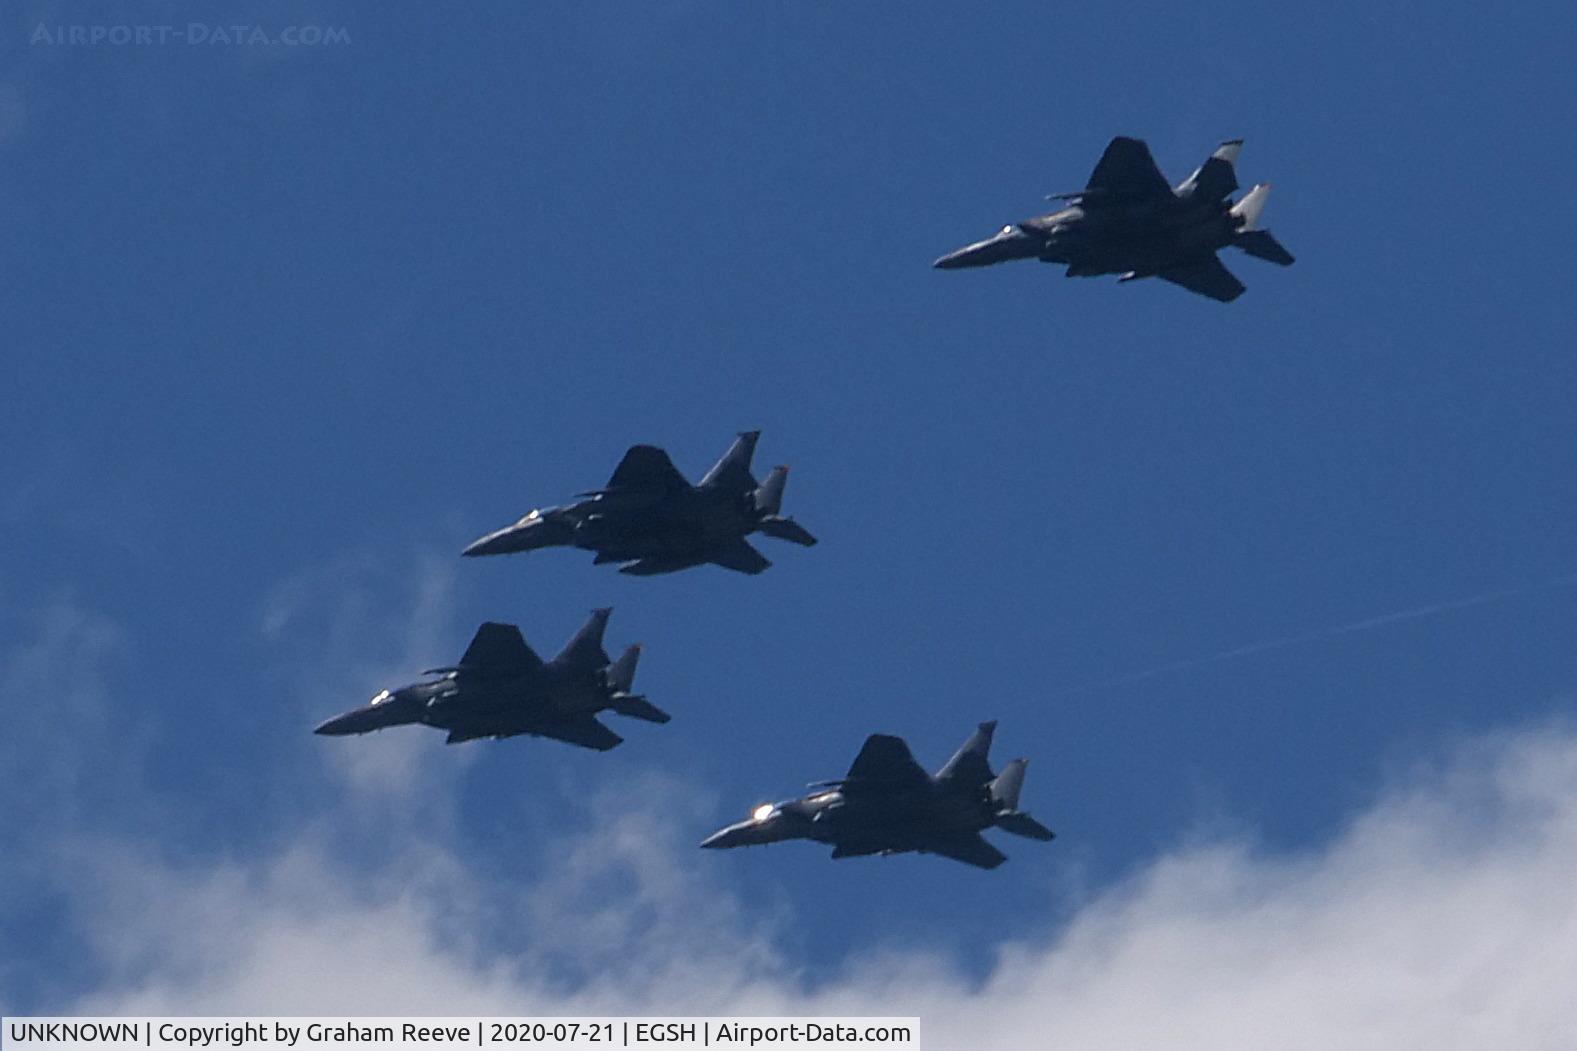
652 520
888 804
1128 221
501 688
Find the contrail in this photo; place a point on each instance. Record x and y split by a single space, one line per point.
1319 634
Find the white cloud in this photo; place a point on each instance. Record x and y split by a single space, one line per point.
1442 917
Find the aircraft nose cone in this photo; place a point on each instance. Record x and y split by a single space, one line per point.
492 544
1012 242
722 839
334 727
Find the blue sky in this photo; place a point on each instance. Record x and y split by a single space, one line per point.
288 327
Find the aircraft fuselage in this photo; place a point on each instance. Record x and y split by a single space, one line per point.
1141 239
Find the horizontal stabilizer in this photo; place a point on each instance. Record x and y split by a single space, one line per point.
1260 245
637 707
1021 824
786 529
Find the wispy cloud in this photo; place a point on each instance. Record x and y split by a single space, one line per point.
1333 631
353 625
1441 917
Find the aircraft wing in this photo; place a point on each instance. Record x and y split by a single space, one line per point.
646 468
740 557
971 849
1126 169
857 849
885 763
650 567
1207 276
499 649
586 732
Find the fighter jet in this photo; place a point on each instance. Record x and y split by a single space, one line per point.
654 521
501 688
887 804
1127 221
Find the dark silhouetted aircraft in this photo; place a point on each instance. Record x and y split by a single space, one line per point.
654 521
501 688
1128 221
887 804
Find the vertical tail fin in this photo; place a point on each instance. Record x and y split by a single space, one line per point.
1247 211
585 649
971 763
1215 179
621 673
733 470
769 496
1005 788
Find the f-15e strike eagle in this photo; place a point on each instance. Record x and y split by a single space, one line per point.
501 688
650 518
887 804
1128 221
